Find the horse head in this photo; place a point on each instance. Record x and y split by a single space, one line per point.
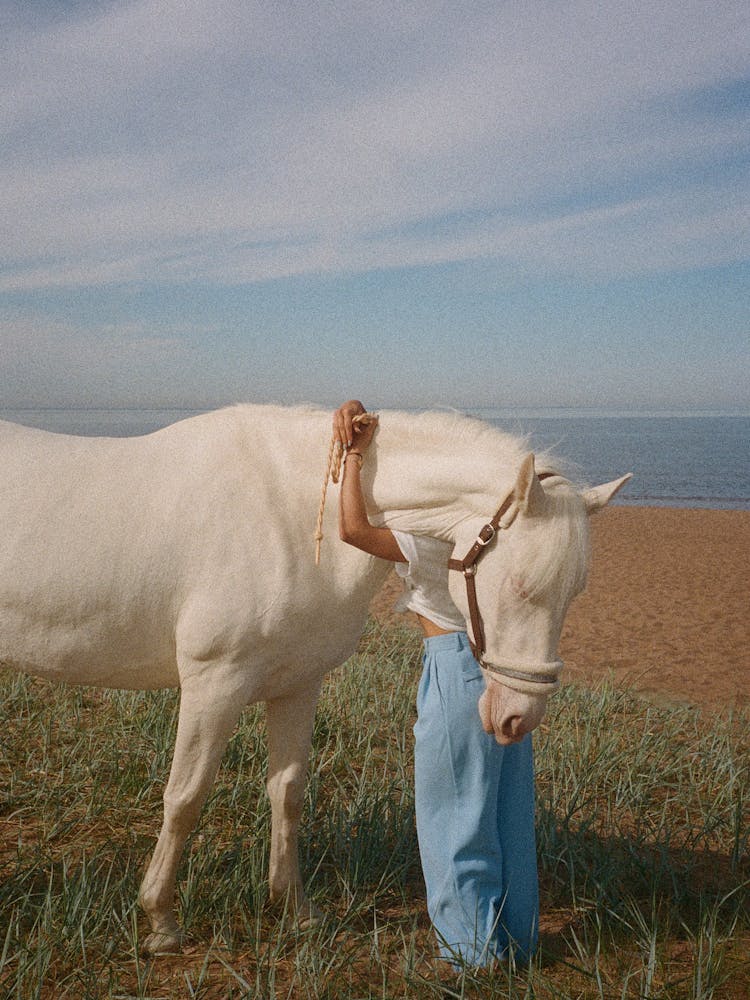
514 587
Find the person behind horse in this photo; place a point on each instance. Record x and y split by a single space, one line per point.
474 796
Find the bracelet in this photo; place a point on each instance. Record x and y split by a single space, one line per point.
357 454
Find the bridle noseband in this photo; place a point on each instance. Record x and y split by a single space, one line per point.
549 672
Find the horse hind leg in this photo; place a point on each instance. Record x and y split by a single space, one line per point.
209 712
289 724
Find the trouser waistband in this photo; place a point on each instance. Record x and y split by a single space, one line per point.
449 640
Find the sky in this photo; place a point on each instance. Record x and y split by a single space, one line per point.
529 203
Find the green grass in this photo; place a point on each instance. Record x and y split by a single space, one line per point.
643 830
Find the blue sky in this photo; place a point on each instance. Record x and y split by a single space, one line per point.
475 204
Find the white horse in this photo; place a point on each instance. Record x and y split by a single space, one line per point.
186 558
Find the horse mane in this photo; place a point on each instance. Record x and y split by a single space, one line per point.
557 554
477 442
555 550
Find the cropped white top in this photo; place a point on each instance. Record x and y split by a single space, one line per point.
425 577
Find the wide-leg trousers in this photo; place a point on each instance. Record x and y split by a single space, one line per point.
475 815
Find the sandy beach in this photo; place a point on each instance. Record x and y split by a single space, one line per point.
667 607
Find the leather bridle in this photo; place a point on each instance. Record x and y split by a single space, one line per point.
546 673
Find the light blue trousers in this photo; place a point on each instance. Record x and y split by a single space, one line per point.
475 816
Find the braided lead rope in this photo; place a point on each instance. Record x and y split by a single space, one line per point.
333 470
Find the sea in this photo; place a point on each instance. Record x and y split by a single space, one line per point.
678 459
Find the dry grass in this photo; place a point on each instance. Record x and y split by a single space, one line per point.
643 832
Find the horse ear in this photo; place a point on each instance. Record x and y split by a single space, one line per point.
599 496
528 491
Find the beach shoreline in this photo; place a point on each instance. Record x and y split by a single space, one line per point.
665 612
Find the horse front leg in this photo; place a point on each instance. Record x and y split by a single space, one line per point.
209 710
290 724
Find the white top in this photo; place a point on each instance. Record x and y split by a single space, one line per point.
425 577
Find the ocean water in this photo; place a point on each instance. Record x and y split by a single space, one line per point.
677 459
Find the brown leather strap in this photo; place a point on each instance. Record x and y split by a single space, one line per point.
485 536
468 566
476 641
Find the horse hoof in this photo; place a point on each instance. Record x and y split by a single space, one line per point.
162 943
309 916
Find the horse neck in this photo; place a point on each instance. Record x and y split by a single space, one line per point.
431 472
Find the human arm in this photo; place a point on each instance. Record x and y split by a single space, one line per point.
354 525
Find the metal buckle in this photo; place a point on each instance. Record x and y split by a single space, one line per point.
485 540
470 570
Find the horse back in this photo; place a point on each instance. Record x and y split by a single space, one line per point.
114 547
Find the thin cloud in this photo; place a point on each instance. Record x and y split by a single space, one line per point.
246 142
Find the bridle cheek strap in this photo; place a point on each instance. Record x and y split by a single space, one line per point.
543 677
476 639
